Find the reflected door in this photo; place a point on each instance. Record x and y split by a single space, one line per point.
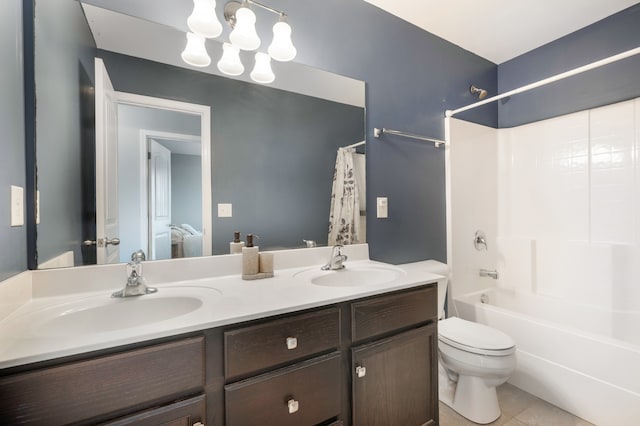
107 221
159 201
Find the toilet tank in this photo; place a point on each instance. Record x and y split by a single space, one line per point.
439 268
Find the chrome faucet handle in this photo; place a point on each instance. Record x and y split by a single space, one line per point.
480 241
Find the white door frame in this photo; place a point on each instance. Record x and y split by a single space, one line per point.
145 136
107 220
204 111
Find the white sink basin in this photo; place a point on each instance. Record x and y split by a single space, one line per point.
102 314
352 275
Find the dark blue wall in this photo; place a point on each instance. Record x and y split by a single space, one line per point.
64 51
609 84
412 78
13 241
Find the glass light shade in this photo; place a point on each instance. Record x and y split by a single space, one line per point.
282 48
195 53
203 19
230 62
262 72
244 33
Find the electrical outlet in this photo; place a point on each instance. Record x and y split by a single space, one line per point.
17 206
225 210
382 208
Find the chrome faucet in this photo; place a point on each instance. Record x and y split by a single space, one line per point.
487 273
335 262
135 282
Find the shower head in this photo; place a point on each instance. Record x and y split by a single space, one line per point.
480 93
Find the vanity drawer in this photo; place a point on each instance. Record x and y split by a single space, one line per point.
384 314
105 387
257 347
306 393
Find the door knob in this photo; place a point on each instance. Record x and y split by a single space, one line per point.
102 242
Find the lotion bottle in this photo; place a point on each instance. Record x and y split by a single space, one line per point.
250 258
235 246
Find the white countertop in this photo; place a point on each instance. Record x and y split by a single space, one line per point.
228 300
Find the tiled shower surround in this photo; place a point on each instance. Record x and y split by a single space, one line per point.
559 201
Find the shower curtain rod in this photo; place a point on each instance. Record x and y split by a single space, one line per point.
378 132
543 82
353 145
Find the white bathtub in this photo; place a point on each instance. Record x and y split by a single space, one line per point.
570 355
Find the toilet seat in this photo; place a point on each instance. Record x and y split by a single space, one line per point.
475 338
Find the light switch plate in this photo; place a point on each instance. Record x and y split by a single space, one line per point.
382 208
17 206
225 210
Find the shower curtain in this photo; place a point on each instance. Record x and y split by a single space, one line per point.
344 215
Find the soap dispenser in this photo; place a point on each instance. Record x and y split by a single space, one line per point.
235 246
250 259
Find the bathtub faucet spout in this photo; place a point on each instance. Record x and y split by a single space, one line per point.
487 273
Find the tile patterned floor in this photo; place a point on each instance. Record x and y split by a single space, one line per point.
519 408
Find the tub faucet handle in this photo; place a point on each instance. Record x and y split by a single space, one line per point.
480 241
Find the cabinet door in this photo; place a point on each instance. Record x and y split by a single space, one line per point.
394 380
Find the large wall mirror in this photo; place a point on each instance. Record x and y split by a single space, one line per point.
199 155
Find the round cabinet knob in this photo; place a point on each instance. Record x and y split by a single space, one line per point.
361 371
293 405
292 343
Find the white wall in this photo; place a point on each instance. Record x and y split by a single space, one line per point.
567 197
473 203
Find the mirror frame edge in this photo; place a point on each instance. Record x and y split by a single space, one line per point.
28 40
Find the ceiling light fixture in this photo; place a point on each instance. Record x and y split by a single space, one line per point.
203 19
230 62
244 34
262 72
204 24
282 48
195 53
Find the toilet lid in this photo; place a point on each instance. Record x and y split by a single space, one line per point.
474 337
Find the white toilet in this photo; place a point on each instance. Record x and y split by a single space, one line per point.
474 359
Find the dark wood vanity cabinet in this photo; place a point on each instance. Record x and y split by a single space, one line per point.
371 361
394 372
109 387
393 380
305 390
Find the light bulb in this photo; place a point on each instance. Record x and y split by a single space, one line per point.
230 62
203 19
282 48
244 33
262 72
195 53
